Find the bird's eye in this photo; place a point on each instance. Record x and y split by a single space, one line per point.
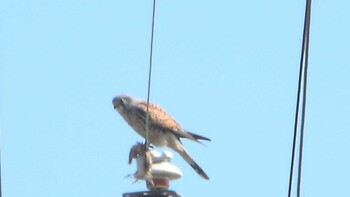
122 100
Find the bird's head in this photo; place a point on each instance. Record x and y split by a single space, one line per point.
122 102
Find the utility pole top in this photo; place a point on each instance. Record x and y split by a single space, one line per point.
166 193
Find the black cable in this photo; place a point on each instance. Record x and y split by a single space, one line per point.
306 65
295 125
302 70
150 73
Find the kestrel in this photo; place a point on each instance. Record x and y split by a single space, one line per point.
163 129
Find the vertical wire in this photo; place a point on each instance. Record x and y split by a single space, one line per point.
304 58
296 125
306 65
150 73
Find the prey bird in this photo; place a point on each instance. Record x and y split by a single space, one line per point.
144 166
163 129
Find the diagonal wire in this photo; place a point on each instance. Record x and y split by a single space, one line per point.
302 79
150 73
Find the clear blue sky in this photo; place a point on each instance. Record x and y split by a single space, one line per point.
224 69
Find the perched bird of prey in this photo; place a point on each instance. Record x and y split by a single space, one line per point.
163 129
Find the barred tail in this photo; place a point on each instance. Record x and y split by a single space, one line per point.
193 164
